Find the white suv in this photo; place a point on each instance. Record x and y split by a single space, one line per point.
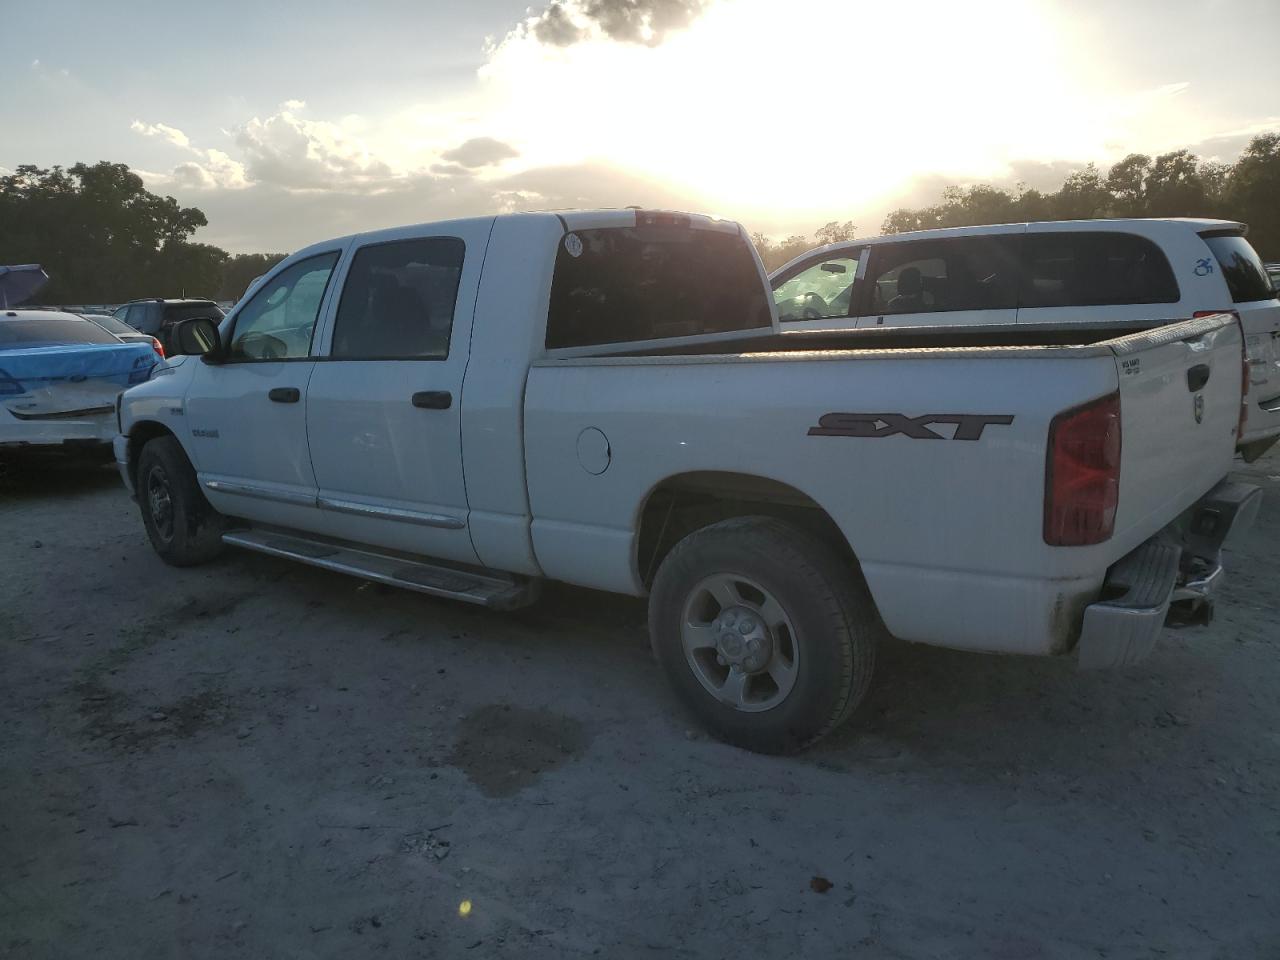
1104 272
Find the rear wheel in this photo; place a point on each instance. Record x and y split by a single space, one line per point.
184 529
766 633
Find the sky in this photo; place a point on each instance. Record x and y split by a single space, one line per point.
288 123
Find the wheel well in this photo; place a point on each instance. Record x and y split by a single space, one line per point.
139 436
682 504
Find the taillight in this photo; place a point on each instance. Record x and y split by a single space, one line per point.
157 347
1082 474
662 218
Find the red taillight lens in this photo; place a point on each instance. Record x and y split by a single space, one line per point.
157 347
1082 474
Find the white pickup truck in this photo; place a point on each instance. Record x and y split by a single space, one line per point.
472 407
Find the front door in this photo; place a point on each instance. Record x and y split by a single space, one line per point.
383 407
247 414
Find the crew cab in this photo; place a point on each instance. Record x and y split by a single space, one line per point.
1116 273
471 408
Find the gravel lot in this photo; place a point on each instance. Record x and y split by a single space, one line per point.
258 759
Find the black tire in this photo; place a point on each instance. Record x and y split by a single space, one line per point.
834 620
184 529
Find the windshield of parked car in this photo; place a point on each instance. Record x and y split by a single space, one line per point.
50 332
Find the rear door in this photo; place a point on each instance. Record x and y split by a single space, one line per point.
1254 299
383 408
1179 405
956 281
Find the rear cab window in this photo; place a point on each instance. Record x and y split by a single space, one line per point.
665 277
1241 266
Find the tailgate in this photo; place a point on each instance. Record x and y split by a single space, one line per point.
1180 390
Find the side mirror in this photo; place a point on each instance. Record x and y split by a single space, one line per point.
196 337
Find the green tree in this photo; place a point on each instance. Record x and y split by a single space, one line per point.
241 270
1253 193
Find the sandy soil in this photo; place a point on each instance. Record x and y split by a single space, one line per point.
257 759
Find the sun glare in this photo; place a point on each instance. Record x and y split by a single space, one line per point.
807 107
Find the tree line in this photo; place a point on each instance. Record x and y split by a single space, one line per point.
1176 184
104 238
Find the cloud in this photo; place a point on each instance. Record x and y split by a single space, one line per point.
162 130
297 153
211 169
450 170
566 22
480 152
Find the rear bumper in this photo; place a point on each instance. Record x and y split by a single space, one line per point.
1180 565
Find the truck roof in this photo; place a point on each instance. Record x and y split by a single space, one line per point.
941 233
569 219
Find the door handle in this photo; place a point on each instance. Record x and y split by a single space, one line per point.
433 399
1197 377
284 395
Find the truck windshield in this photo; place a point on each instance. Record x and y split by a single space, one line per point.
1241 267
627 284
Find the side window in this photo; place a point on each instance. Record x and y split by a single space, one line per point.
398 300
938 276
122 314
277 323
1094 269
819 291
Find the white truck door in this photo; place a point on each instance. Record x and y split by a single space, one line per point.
383 407
951 282
246 414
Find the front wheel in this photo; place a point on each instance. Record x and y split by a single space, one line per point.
184 529
766 633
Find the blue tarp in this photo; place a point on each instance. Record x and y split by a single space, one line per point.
42 382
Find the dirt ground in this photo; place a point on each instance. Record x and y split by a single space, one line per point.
257 759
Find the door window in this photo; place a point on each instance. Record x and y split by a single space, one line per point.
277 323
938 276
819 291
1095 269
398 301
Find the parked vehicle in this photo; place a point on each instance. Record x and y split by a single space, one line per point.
1273 271
472 407
124 332
60 375
156 317
1046 275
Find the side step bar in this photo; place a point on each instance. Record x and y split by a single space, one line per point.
437 579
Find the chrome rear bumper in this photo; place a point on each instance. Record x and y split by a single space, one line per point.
1179 566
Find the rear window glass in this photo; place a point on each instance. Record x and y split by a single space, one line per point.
938 276
1094 269
620 284
1241 267
37 332
118 327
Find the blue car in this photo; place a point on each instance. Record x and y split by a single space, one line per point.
60 375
